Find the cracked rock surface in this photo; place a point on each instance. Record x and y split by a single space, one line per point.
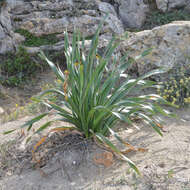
170 42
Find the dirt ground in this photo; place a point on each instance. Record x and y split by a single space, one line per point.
10 96
165 166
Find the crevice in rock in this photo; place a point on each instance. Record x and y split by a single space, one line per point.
5 30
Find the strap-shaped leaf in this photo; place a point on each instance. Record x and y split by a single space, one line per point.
8 132
151 122
44 126
34 120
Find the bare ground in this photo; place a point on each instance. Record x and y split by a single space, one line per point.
166 164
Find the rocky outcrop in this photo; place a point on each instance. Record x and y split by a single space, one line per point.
170 43
54 17
8 39
168 5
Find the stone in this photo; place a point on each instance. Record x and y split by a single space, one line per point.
168 5
54 17
162 5
1 110
133 13
170 45
43 23
8 39
113 22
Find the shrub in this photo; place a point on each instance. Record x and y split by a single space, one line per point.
158 18
177 88
92 99
18 68
32 40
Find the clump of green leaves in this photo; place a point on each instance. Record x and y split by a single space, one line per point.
158 18
32 40
177 88
94 99
18 68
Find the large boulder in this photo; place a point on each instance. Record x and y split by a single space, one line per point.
47 17
54 17
170 43
133 12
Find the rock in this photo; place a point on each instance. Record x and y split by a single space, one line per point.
56 47
133 13
162 5
54 17
167 5
170 45
8 39
5 31
113 22
1 110
42 22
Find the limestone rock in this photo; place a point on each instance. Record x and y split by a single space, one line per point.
170 42
42 18
1 110
8 39
54 17
170 45
113 22
133 12
168 5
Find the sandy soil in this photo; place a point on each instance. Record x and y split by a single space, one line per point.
165 166
10 96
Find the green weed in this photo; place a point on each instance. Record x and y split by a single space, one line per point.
18 68
32 40
177 88
158 18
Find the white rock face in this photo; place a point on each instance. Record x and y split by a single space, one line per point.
170 43
133 12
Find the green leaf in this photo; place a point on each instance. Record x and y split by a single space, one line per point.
28 139
57 71
150 122
43 127
154 72
122 117
8 132
34 120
